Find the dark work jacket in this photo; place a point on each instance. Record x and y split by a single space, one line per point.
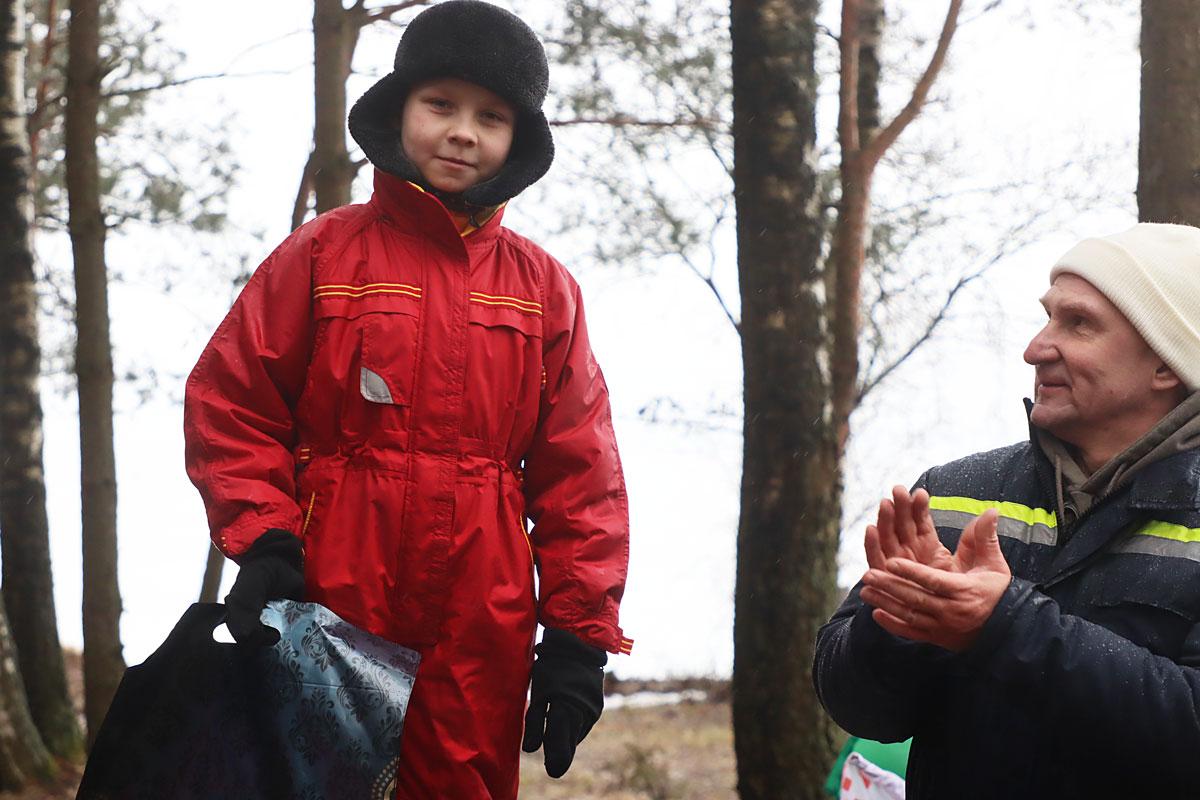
1083 683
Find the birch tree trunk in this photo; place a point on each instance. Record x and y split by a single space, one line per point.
23 756
1168 187
24 529
102 659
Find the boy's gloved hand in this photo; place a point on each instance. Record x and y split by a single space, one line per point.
271 569
565 700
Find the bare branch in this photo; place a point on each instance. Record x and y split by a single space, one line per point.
1011 242
925 335
708 280
622 120
712 286
303 194
372 15
887 137
134 90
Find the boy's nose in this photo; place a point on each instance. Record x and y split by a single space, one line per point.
463 133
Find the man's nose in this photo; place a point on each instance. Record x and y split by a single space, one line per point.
1040 348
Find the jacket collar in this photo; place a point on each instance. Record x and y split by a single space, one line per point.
411 206
1171 482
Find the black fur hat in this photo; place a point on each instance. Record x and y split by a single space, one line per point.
477 42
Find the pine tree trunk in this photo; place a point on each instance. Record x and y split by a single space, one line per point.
335 34
1168 187
787 536
102 659
24 530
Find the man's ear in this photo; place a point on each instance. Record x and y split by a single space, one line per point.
1165 379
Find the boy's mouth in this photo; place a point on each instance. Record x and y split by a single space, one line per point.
458 162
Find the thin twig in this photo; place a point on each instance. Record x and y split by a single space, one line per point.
373 15
939 316
303 194
191 79
622 120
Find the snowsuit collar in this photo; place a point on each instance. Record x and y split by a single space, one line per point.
411 206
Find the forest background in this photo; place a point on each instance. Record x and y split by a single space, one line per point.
1027 142
1036 113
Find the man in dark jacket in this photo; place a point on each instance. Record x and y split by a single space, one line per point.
1031 615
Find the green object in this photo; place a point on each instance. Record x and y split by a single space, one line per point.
892 757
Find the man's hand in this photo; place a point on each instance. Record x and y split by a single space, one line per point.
904 529
947 604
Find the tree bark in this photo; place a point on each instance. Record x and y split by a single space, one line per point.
212 575
102 659
23 756
335 35
23 524
1168 188
24 529
871 20
790 499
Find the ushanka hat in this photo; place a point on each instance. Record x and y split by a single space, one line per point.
1150 272
472 41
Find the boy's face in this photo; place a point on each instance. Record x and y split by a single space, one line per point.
456 133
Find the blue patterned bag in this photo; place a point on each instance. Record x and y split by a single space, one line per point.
319 715
340 693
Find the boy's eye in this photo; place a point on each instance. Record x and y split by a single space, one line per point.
438 103
494 117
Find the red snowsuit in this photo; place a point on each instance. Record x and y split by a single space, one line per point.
402 396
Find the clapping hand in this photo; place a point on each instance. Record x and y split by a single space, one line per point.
922 591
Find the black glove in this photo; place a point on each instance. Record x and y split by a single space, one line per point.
272 568
566 698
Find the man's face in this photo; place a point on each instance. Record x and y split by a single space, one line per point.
1095 377
456 133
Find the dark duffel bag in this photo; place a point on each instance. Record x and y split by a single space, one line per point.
318 715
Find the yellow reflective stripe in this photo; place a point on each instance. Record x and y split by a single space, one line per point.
349 290
356 295
528 306
1169 530
361 286
969 505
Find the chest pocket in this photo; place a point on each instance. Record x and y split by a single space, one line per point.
504 367
1151 600
365 355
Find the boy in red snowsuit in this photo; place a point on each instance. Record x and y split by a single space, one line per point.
398 387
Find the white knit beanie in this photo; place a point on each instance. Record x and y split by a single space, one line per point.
1151 272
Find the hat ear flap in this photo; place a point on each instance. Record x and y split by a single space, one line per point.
374 125
529 158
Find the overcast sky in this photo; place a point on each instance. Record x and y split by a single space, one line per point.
1026 92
